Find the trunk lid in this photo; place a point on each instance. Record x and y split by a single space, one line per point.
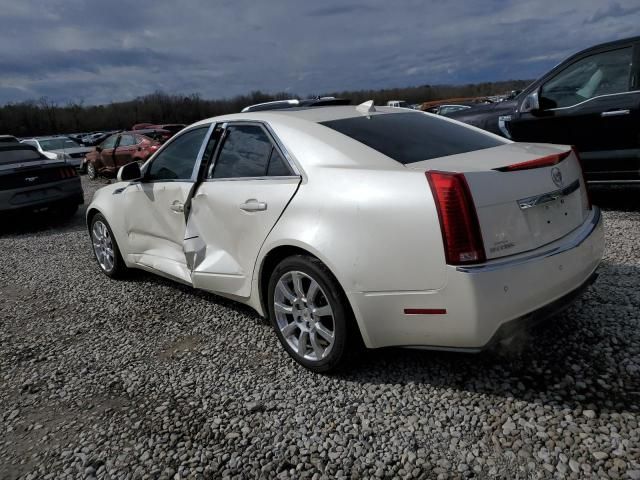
523 209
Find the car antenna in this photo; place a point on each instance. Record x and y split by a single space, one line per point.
366 107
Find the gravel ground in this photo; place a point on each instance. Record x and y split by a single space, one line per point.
145 378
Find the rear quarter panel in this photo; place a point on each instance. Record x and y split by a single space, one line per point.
377 230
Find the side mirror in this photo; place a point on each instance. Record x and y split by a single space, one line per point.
531 103
129 172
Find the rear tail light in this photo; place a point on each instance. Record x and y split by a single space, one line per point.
67 172
584 179
458 218
548 161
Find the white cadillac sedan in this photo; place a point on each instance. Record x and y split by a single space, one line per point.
351 225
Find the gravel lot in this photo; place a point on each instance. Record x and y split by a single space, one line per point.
145 378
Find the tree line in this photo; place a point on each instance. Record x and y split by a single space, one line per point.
46 117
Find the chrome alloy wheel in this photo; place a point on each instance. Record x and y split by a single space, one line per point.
304 315
102 245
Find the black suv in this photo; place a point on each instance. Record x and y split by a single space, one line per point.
591 100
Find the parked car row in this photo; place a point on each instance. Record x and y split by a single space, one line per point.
101 153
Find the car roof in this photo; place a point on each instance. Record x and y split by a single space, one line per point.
54 137
310 114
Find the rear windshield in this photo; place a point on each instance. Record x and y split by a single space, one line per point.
58 144
18 155
412 137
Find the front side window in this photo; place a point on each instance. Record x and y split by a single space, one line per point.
247 151
177 160
410 137
600 74
110 142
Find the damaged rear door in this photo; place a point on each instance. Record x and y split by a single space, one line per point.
244 189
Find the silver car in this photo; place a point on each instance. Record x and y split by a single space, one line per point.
61 148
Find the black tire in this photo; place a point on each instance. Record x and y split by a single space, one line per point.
118 269
346 337
92 173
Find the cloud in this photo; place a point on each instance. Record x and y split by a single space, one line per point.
102 51
90 60
340 10
612 11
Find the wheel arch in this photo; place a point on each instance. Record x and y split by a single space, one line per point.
91 212
278 253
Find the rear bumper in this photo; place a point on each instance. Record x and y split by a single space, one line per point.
488 302
67 191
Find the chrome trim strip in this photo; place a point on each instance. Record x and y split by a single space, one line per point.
612 182
534 201
502 125
237 179
584 231
615 113
203 147
591 99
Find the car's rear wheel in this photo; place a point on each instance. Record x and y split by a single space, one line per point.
310 314
92 173
105 248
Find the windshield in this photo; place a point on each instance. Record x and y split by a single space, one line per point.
58 144
413 137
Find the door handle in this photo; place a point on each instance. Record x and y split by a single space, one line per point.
615 113
253 205
177 206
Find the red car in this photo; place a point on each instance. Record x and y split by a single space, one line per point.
116 151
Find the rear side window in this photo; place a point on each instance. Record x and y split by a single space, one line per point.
247 151
127 141
412 137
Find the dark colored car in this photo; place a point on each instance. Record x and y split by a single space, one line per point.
118 150
29 181
591 101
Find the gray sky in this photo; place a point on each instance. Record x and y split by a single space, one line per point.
111 50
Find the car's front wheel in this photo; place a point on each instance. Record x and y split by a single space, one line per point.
105 248
310 314
92 173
